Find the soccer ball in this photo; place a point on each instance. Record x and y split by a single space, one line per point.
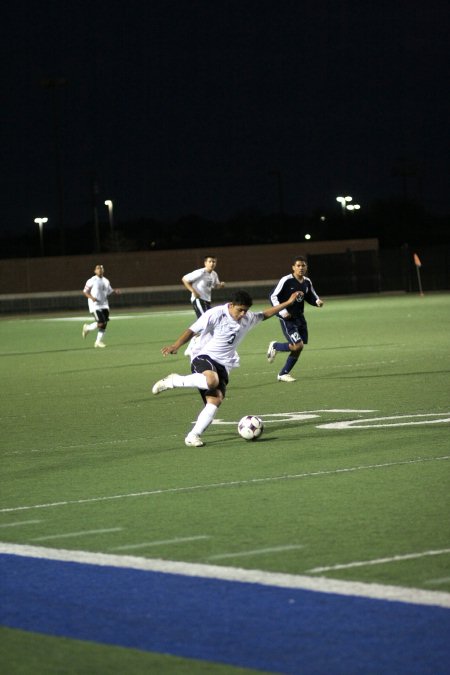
250 427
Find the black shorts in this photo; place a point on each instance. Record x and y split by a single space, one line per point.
295 330
200 306
101 315
204 362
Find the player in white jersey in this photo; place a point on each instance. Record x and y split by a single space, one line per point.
221 330
97 290
200 283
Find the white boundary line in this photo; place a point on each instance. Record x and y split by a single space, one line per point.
232 483
415 596
116 317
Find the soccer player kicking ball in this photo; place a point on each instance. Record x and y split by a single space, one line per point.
221 329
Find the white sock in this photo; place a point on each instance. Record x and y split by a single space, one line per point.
197 380
100 335
91 326
204 419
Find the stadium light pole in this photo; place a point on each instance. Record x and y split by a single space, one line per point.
109 204
53 85
344 202
40 222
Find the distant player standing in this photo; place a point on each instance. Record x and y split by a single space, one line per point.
200 283
97 290
292 320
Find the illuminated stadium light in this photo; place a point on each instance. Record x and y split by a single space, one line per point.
110 205
40 222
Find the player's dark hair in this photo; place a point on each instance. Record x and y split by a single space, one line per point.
299 257
242 298
209 256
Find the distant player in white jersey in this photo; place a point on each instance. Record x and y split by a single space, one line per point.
97 290
200 284
221 329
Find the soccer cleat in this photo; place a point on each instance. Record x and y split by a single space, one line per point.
271 352
85 331
101 345
193 440
164 384
285 378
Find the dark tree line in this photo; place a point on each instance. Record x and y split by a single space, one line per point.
392 222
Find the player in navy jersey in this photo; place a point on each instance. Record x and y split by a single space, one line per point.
292 320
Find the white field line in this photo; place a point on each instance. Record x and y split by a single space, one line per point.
256 551
437 582
67 535
226 484
371 422
378 561
415 596
20 523
118 317
302 416
161 542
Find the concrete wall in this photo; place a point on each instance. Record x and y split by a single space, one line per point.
163 268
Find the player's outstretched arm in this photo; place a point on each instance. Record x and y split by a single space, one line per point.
271 311
172 349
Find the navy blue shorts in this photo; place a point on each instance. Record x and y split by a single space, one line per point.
295 330
204 362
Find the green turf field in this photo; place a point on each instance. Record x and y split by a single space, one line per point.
350 479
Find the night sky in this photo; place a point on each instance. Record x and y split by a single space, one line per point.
189 107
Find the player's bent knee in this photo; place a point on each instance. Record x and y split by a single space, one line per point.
297 347
212 380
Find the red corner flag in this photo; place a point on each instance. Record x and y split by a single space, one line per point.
418 265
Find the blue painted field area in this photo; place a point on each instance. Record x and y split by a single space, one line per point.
242 624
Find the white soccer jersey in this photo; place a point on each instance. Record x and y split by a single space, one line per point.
220 334
100 288
203 282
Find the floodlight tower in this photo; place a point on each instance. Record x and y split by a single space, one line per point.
344 202
40 222
110 206
53 85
